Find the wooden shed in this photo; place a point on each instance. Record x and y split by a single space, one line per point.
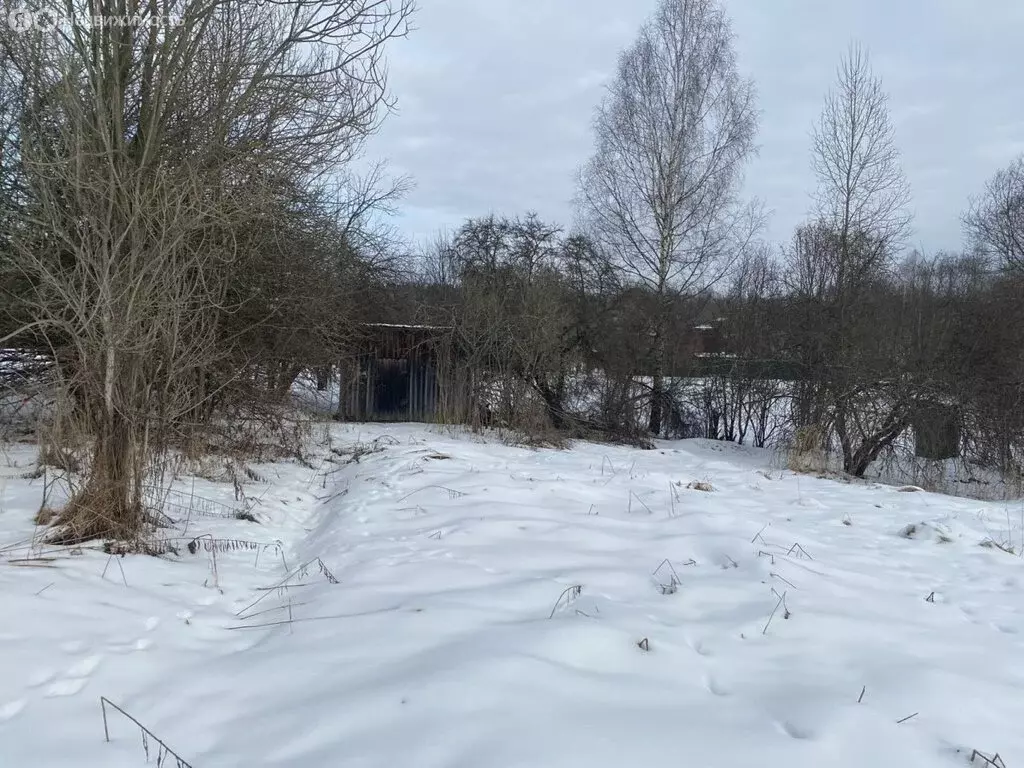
401 373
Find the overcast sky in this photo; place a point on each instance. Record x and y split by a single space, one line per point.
496 98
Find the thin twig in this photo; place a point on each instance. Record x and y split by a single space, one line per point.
632 496
570 594
799 550
105 702
996 761
606 460
784 581
302 570
452 493
287 606
758 534
675 576
315 618
104 574
782 599
282 587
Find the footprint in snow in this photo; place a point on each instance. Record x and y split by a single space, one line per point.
970 613
700 648
810 502
85 667
136 645
41 678
68 687
716 687
75 678
795 731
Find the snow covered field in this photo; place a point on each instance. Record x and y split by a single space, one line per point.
499 607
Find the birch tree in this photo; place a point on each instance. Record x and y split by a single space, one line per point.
862 195
862 223
661 191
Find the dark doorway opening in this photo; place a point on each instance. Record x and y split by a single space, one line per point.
936 431
392 388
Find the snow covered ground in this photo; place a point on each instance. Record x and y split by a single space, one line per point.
498 607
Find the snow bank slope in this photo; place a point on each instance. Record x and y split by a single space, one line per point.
490 610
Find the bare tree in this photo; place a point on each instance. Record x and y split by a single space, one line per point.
752 331
995 221
862 222
153 151
12 194
672 135
862 194
436 261
512 319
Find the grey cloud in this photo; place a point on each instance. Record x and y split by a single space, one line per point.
496 98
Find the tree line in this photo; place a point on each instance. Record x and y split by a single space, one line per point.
183 236
839 339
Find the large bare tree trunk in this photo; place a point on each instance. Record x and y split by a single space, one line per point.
658 394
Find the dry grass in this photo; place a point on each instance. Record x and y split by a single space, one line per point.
1001 546
909 531
61 459
93 513
46 516
806 452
